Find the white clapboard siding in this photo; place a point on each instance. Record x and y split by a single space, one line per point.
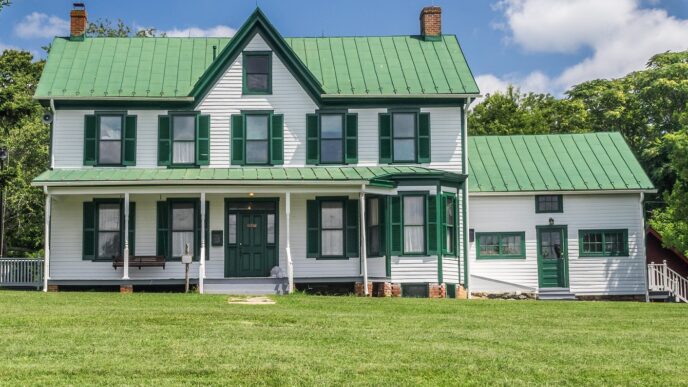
617 275
288 98
414 269
450 270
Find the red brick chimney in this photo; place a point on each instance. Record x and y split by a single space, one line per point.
431 23
78 22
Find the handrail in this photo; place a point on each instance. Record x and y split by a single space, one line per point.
660 277
21 271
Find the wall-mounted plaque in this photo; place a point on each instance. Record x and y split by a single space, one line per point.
216 238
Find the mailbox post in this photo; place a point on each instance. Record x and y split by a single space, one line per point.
186 260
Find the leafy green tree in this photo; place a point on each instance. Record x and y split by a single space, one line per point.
27 139
513 112
106 28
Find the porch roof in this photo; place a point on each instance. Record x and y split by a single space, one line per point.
378 176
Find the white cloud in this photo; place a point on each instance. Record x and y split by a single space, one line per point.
40 25
620 35
217 31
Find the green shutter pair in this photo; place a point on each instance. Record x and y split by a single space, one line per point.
202 140
351 230
381 216
90 229
164 233
350 138
386 138
91 140
396 217
275 140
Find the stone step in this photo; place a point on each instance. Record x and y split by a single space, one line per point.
246 286
555 294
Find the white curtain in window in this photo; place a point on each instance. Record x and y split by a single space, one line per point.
108 217
332 242
183 152
414 240
413 210
179 241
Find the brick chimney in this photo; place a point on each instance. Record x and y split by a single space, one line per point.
78 22
431 23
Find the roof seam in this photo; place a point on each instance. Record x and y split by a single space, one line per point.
585 138
623 181
360 64
401 68
547 138
458 75
530 154
480 158
586 162
624 160
511 141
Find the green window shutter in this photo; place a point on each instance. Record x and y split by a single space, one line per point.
385 127
352 230
395 225
424 138
129 142
89 229
312 139
277 140
132 228
431 224
312 228
351 138
238 139
443 221
90 139
163 225
164 140
203 140
197 233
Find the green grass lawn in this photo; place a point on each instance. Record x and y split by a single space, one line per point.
109 338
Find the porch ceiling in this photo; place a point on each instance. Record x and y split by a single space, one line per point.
376 176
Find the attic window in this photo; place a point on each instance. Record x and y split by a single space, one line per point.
257 72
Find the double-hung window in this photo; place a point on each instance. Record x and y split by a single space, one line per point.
183 139
332 138
109 230
414 224
549 203
257 72
500 245
332 228
404 127
257 139
449 225
182 228
373 225
603 243
110 132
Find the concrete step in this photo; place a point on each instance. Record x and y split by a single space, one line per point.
246 286
555 294
661 296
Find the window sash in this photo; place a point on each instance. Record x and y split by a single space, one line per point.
449 225
105 230
188 157
373 227
259 140
414 224
497 245
332 238
603 243
113 138
182 234
398 138
548 203
249 72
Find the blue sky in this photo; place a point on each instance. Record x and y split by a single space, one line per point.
539 45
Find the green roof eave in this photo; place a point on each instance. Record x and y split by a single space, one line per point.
386 176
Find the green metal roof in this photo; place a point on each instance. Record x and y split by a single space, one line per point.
170 67
374 175
561 162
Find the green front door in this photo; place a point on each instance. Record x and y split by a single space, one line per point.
251 247
552 257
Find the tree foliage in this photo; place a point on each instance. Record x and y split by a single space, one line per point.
27 139
106 28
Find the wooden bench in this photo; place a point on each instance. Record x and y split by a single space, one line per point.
140 261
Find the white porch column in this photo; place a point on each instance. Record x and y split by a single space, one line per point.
46 248
290 263
201 273
125 271
364 253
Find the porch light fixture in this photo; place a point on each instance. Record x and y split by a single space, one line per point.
551 221
250 194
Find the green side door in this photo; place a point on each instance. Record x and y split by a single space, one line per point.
552 257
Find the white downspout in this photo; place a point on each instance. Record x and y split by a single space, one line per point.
52 135
290 263
364 253
643 247
46 248
125 271
201 259
465 187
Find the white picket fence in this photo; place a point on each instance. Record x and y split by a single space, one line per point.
661 278
21 272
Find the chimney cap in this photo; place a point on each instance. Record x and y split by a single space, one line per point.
79 5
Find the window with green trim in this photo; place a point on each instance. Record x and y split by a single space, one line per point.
449 224
404 136
331 138
109 230
603 243
500 245
110 134
373 234
332 228
178 226
549 203
414 224
404 128
103 229
257 72
183 139
257 139
183 228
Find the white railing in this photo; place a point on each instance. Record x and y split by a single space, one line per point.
661 278
21 272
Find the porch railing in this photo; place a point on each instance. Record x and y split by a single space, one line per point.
21 272
661 278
